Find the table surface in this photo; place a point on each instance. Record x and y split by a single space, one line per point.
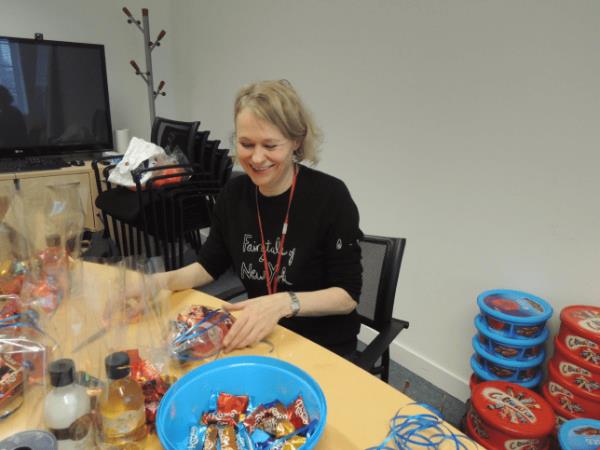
359 405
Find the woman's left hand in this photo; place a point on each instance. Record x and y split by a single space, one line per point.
257 319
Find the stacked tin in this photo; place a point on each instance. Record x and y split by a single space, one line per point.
512 333
573 387
505 415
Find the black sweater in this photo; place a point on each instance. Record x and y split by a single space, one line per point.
321 248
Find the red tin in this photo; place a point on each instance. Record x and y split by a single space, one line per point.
509 416
570 398
564 353
475 432
585 350
568 370
557 406
474 381
582 320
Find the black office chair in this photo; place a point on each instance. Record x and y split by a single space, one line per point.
171 134
381 260
176 212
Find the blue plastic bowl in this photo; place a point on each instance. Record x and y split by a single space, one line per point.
264 379
580 434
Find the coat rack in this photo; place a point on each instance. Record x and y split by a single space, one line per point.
147 76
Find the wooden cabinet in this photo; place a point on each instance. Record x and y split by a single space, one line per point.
34 183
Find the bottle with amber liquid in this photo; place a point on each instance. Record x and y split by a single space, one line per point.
121 405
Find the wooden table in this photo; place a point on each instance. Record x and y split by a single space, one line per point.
359 404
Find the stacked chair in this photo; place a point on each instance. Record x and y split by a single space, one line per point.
164 216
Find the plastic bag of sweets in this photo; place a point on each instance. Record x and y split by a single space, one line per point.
199 333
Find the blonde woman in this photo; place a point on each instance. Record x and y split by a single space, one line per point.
290 232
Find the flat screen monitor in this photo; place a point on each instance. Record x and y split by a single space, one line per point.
53 98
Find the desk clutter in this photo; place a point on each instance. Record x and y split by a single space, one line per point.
85 363
517 401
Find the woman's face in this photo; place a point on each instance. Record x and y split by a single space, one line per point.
264 153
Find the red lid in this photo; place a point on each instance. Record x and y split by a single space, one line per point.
584 320
513 409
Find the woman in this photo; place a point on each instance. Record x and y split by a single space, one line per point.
292 223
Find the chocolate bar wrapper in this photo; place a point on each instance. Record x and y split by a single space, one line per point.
211 439
297 413
196 437
227 438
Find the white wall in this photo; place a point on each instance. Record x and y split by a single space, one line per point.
103 22
469 127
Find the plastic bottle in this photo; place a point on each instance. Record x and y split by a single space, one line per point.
121 405
67 408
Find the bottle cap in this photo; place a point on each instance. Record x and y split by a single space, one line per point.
62 372
117 365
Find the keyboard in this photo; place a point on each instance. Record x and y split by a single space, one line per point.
28 164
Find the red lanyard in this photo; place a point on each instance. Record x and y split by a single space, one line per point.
273 280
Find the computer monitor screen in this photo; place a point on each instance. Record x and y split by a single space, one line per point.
53 98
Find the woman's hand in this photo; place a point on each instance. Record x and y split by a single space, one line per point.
257 319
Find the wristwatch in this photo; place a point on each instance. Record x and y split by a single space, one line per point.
295 304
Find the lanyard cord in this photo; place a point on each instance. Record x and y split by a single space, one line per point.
272 281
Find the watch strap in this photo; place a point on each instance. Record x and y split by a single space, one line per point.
295 304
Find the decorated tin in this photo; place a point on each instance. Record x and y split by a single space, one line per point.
514 314
486 375
580 434
579 371
560 410
575 377
508 369
509 416
571 397
504 347
581 320
578 336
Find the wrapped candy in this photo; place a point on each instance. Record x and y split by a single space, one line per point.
154 384
12 377
239 426
199 333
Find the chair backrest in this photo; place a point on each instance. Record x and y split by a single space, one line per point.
381 261
170 134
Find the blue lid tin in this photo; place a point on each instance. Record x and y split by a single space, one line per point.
488 376
514 306
580 434
511 363
491 334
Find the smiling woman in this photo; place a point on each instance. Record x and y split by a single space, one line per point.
289 231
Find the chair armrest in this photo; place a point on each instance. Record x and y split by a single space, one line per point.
369 356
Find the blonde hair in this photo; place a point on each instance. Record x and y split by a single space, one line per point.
278 103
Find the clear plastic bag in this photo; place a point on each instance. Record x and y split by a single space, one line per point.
198 333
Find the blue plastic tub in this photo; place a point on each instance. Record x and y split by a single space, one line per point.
504 347
264 379
580 434
514 314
